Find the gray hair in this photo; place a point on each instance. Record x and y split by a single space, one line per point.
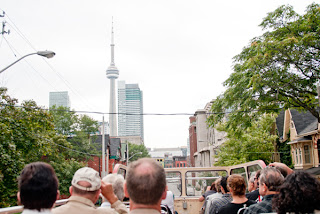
251 179
272 178
117 182
218 184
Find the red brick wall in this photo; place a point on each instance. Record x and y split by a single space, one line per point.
96 164
180 163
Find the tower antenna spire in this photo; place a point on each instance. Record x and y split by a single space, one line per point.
112 45
112 74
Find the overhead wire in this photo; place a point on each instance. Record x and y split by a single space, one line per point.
13 49
146 114
15 27
157 114
10 46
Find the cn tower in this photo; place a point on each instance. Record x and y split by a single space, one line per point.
112 75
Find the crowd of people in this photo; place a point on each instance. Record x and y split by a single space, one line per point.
274 189
145 186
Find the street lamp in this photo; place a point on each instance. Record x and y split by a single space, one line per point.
48 54
138 153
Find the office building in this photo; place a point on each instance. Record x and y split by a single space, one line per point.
59 98
130 110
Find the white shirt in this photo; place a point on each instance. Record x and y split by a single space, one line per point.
42 211
169 201
106 204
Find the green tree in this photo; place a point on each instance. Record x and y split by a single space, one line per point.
28 135
255 143
78 129
65 121
137 151
88 124
276 70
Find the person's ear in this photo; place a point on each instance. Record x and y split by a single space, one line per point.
125 190
264 187
164 194
58 195
230 190
70 190
18 197
97 195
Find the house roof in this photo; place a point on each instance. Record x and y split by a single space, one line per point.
114 145
115 148
301 139
304 121
97 141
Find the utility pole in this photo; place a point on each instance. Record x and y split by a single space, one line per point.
103 151
3 31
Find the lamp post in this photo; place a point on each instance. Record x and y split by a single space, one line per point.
138 153
48 54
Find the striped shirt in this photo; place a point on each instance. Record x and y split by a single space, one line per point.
265 206
219 202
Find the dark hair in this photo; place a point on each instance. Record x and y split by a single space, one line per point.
258 173
146 181
237 184
223 183
300 193
38 186
213 186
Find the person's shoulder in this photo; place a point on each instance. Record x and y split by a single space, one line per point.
227 208
250 202
60 209
105 210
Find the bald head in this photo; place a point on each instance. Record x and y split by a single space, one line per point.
145 181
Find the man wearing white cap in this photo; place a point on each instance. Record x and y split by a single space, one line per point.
85 190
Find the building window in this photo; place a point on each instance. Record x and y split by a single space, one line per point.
300 156
307 154
296 156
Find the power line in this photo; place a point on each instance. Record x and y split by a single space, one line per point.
72 149
15 27
147 114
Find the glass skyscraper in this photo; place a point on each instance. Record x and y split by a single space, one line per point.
59 98
130 110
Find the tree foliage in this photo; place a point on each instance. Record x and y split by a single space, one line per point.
28 135
65 121
276 70
78 129
137 151
256 143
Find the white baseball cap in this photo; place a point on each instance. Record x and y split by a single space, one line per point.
87 174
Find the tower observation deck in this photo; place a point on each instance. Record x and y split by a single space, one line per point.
112 74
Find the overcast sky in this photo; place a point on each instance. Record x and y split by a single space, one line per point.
178 51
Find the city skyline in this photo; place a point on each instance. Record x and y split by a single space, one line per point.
180 53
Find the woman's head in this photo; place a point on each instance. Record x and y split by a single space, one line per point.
237 185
